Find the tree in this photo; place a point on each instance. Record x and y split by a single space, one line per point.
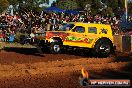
130 8
26 6
3 5
67 4
38 2
29 4
116 6
83 3
13 2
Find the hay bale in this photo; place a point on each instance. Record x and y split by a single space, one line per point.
126 43
118 42
131 43
2 45
123 43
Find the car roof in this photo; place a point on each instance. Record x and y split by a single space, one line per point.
81 23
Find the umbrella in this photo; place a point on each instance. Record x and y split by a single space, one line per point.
53 9
71 12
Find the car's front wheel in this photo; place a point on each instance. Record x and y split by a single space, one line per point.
55 47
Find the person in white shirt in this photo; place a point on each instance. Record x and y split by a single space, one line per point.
32 36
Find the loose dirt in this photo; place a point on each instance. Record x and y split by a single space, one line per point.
24 67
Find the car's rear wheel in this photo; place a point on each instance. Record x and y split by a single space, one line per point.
103 48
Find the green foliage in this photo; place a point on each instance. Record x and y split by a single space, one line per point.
108 11
112 5
67 5
95 6
130 8
3 5
121 3
13 2
37 2
83 3
18 35
29 4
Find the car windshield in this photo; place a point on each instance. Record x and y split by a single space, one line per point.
67 27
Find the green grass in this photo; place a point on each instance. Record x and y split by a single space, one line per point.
5 44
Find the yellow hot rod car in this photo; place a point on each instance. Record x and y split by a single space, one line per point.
97 37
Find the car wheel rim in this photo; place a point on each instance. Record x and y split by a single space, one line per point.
56 48
105 49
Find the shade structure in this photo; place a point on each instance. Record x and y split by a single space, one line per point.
53 9
71 12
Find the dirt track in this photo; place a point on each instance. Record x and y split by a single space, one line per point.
26 68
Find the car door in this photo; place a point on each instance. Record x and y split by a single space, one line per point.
76 37
91 35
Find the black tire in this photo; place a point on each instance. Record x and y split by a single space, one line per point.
44 47
102 48
39 49
39 46
55 48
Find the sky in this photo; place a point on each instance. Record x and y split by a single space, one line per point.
50 2
47 5
130 0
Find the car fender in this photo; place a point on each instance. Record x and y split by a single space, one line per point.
99 39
